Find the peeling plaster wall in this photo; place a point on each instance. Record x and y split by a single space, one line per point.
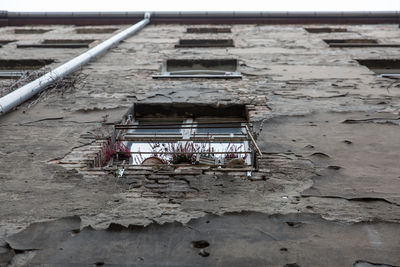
317 162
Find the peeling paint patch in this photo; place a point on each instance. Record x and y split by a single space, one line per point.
202 241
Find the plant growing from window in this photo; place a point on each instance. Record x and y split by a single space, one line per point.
123 149
182 152
233 152
189 152
177 152
109 150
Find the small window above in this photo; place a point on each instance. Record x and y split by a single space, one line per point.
386 68
59 43
200 68
95 30
357 43
205 43
325 30
10 68
31 31
4 42
208 30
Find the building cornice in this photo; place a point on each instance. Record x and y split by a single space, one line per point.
8 18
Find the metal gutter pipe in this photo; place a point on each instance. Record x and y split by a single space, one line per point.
25 92
9 18
198 14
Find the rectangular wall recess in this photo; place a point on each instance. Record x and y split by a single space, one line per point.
208 30
4 42
95 30
31 31
325 30
61 43
205 43
194 110
388 68
11 68
357 43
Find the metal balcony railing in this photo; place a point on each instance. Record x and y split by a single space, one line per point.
205 142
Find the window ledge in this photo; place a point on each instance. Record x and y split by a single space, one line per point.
347 45
389 76
212 76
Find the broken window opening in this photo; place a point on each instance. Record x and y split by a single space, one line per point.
200 68
357 43
13 69
220 137
325 30
31 31
208 30
59 43
385 68
95 30
183 43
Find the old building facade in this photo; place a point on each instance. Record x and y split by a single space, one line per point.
320 184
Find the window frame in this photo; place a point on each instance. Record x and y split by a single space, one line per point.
204 73
188 133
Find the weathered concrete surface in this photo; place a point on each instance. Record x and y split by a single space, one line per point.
240 239
320 164
355 160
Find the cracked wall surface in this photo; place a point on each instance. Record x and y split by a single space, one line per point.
329 137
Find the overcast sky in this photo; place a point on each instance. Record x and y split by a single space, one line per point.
200 5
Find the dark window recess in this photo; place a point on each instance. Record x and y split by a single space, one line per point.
205 43
95 30
208 30
63 43
183 110
31 31
4 42
325 30
357 43
199 68
10 68
388 68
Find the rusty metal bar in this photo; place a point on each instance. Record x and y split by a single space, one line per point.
136 167
155 125
177 127
197 139
183 153
253 141
188 123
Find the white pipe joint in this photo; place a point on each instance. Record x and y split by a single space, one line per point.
25 92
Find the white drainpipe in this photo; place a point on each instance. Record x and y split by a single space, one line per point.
25 92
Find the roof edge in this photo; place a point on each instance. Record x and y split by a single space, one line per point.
9 18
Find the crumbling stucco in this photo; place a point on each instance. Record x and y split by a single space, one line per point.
329 132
